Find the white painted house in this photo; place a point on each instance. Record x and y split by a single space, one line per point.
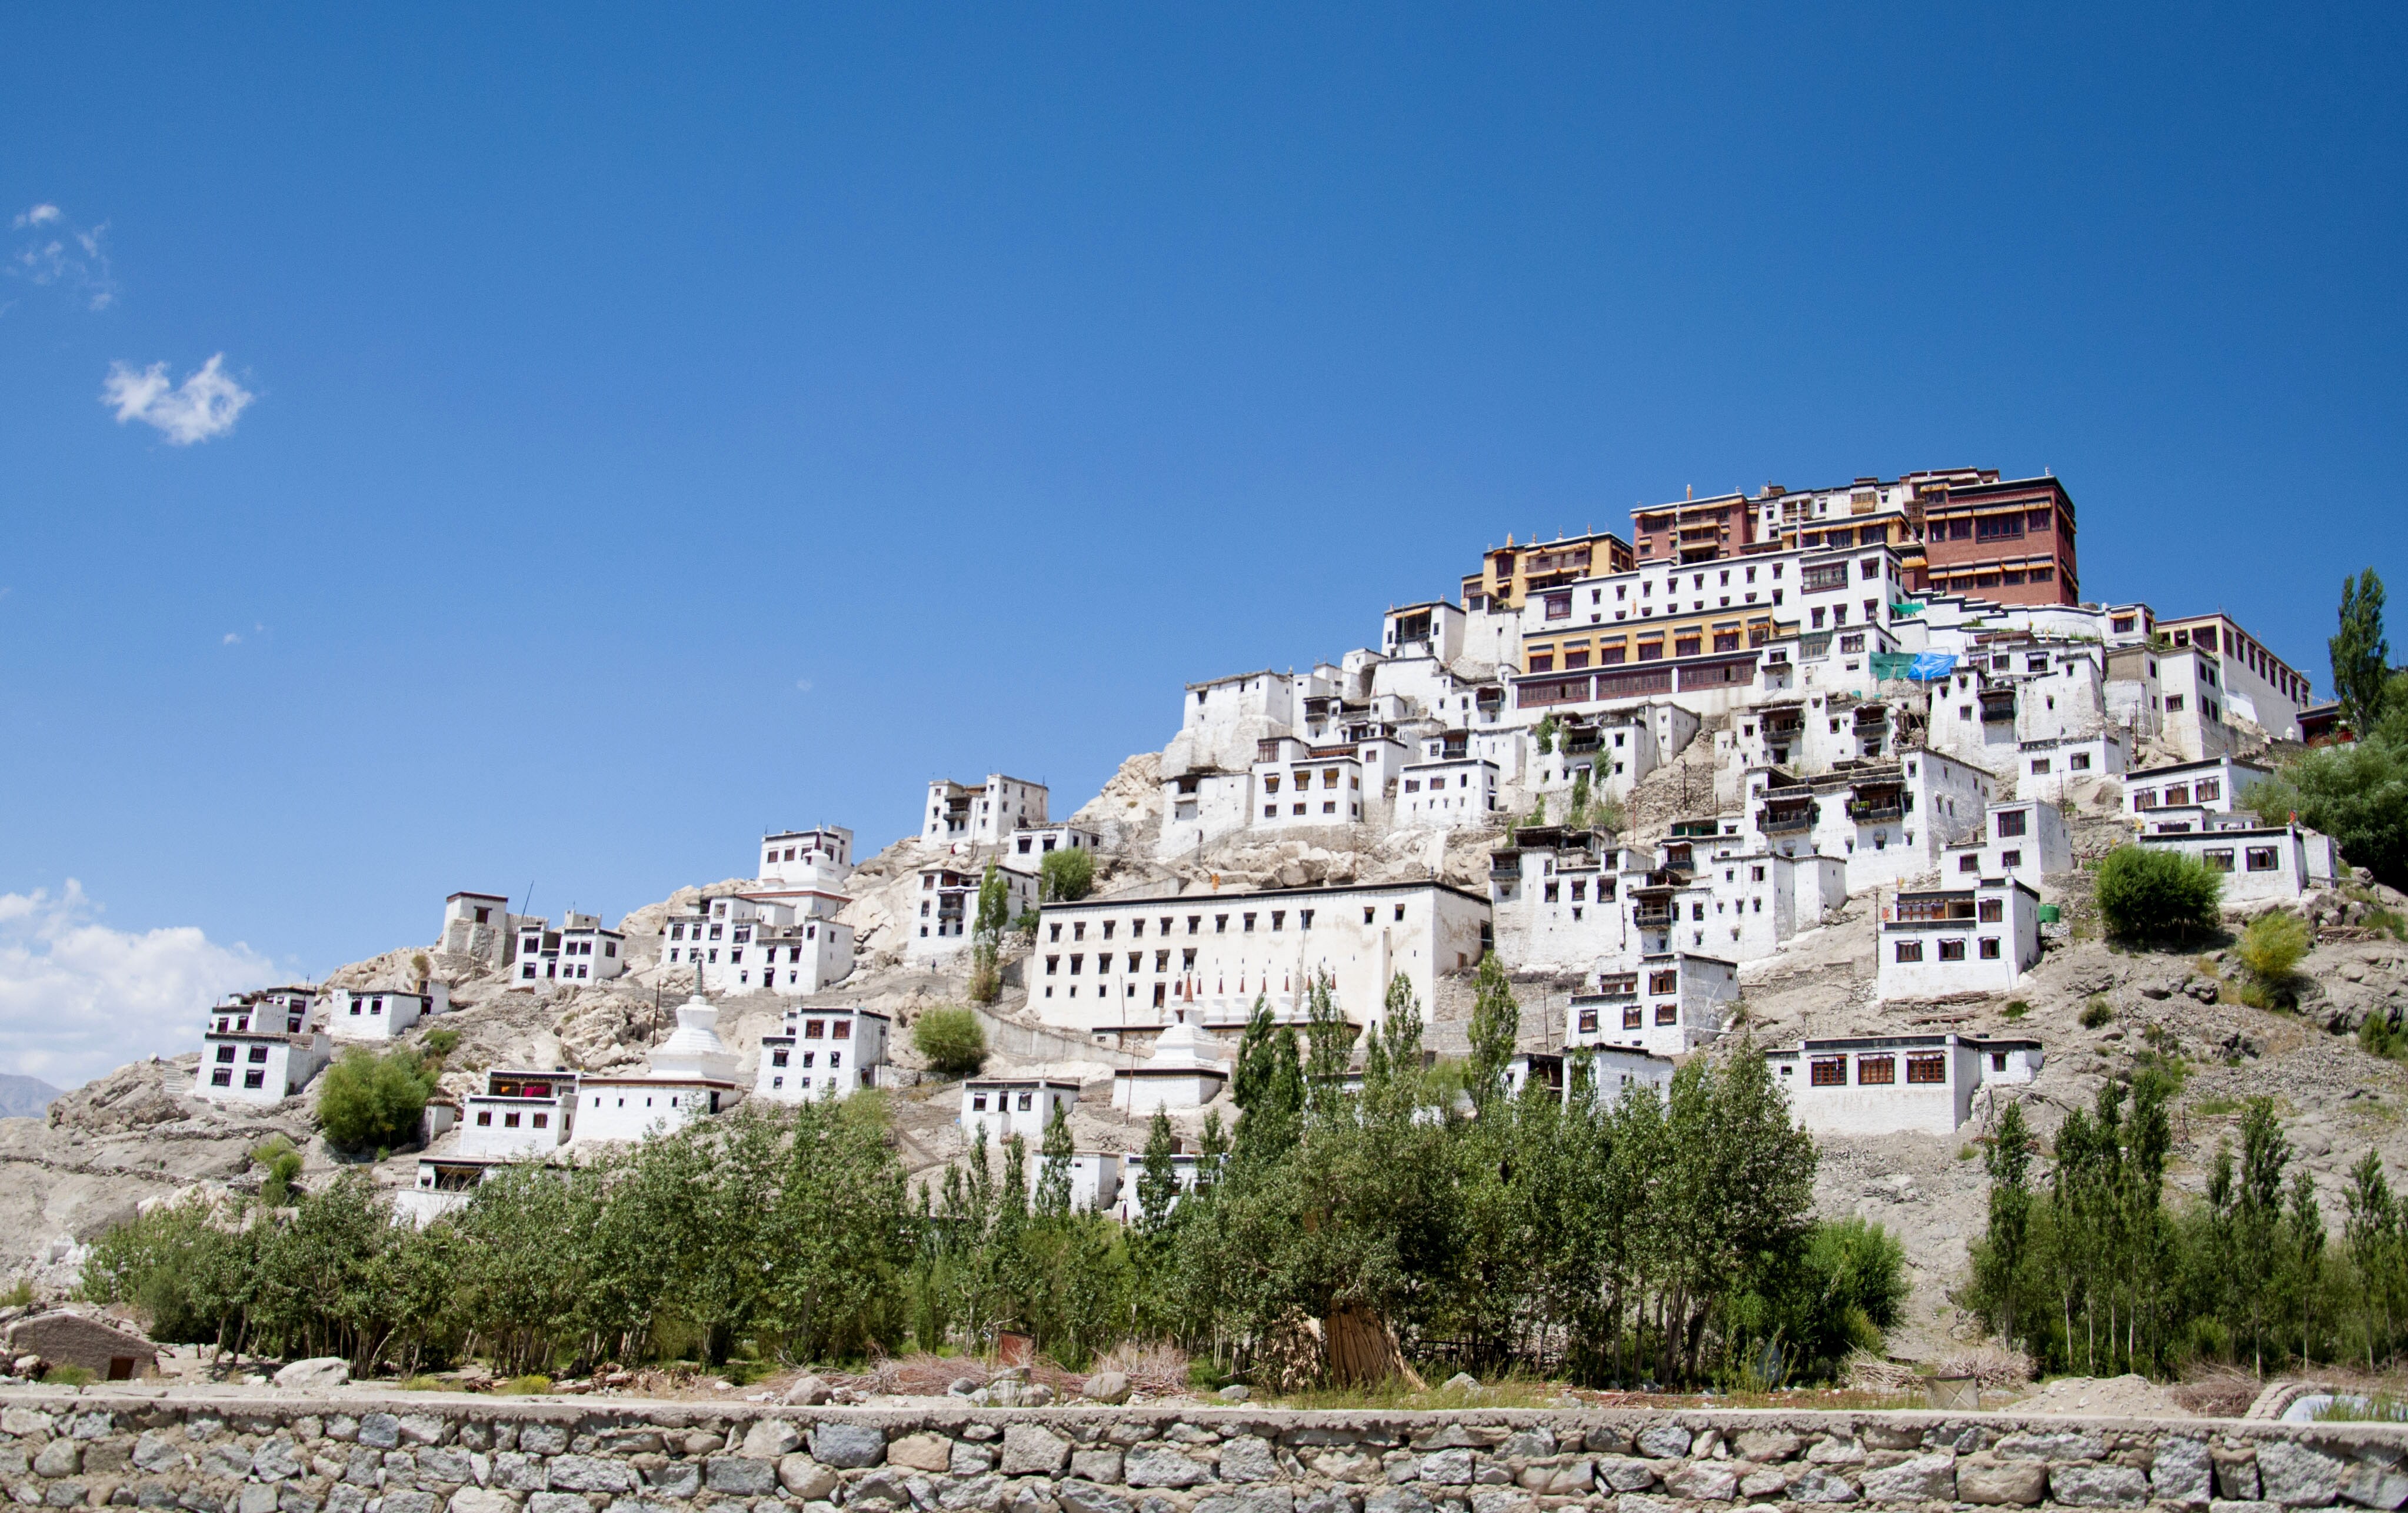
1004 1107
1926 1084
1610 1070
821 1053
2169 799
579 951
1889 820
1128 1208
2261 864
260 1047
1185 1071
948 908
1937 942
1667 1005
746 944
1135 960
383 1013
518 1115
692 1075
444 1185
2025 840
1031 844
820 859
981 814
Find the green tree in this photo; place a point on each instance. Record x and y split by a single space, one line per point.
1066 875
986 937
1055 1156
2150 894
2362 657
2008 1162
1496 1025
2357 793
370 1102
950 1040
280 1163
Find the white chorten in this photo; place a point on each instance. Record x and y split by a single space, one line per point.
1185 1072
694 1052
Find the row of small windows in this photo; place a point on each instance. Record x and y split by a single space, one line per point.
1951 949
1881 1070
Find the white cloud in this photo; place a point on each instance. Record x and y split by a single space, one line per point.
79 999
231 638
62 253
204 405
802 685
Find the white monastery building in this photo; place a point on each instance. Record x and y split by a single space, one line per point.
821 1053
1004 1107
692 1075
1926 1084
1185 1071
948 908
1936 942
383 1013
518 1115
260 1047
982 814
580 950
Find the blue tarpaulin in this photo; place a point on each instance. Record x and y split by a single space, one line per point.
1931 667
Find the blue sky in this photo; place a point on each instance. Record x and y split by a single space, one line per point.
663 423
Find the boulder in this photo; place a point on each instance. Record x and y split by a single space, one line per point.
770 1438
315 1375
1108 1387
810 1392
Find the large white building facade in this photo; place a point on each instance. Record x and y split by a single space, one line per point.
1136 963
982 814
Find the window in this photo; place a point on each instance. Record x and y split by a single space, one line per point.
2208 789
2177 795
1926 1067
1910 950
1828 1072
1665 981
1992 911
1631 1018
1853 641
1968 862
1667 1013
2173 704
2040 765
1951 950
2011 859
485 1115
2219 859
1588 1021
1989 947
1998 1061
1876 1071
2262 859
778 1058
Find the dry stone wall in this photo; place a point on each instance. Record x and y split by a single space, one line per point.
351 1453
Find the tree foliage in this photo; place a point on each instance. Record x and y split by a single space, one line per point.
950 1040
2357 793
784 1228
370 1102
2361 656
1066 875
2151 894
986 937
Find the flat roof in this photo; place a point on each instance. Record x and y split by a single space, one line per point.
841 1008
1326 890
2188 766
1022 1082
498 898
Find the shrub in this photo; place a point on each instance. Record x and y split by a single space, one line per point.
366 1101
2271 948
951 1040
1065 876
2096 1013
440 1044
67 1375
2378 1036
2017 1009
283 1163
2145 894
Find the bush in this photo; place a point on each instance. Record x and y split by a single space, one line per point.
283 1163
67 1376
1065 876
2017 1009
2147 894
366 1101
2096 1013
2378 1036
951 1040
2271 948
440 1044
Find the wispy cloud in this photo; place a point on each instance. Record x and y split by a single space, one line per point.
79 999
231 638
52 251
802 685
204 405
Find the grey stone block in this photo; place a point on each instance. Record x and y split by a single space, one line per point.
410 1503
533 1438
258 1497
2374 1482
1663 1441
1032 1450
2059 1446
1624 1475
480 1500
1995 1482
802 1476
64 1458
738 1475
380 1431
592 1473
2181 1472
2296 1476
1329 1500
1101 1466
1249 1458
848 1446
1816 1484
446 1462
557 1503
1081 1495
1448 1468
515 1471
2097 1486
1398 1500
977 1494
1255 1498
769 1438
1924 1479
1159 1466
278 1460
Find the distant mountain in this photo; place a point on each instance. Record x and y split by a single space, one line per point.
24 1097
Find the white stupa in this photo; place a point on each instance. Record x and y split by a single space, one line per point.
1186 1071
692 1076
694 1052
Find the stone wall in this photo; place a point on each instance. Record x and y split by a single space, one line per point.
421 1453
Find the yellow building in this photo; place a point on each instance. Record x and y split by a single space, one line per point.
1510 574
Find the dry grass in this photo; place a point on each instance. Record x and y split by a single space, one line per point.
1865 1372
921 1373
1156 1368
1991 1365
